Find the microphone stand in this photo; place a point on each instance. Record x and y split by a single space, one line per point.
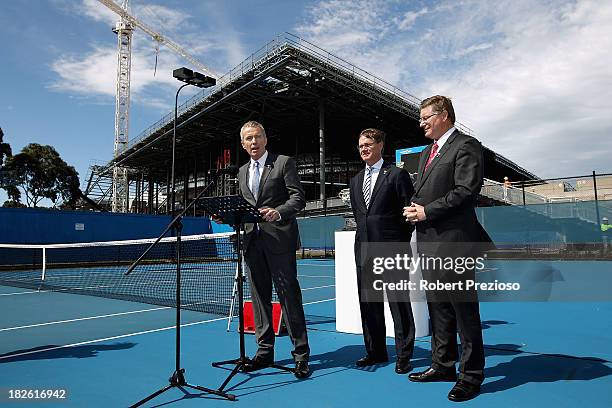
239 215
177 379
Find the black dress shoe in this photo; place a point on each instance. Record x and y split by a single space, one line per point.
301 369
431 375
463 391
370 361
402 366
256 364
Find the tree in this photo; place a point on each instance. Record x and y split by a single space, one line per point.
41 173
6 179
13 204
5 149
68 190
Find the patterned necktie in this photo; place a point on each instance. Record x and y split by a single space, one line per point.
367 187
255 180
432 154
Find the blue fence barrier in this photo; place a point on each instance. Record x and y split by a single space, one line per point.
44 226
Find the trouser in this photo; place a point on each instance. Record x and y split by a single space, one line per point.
449 315
263 268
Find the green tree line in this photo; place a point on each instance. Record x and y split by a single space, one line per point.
35 174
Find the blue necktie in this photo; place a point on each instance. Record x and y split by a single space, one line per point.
255 181
367 187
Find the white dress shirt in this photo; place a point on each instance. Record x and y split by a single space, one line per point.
445 137
375 170
262 163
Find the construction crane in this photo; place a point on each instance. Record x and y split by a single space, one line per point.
124 29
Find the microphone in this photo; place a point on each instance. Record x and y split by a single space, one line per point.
230 170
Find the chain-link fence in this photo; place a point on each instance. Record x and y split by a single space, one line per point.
564 217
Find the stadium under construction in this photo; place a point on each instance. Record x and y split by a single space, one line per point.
313 105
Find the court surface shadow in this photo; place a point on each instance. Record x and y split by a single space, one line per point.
52 351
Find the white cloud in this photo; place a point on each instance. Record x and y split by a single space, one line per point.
357 31
531 78
94 74
163 18
96 11
172 24
409 18
471 49
542 96
338 24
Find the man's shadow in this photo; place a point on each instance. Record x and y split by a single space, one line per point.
346 356
54 351
487 324
539 368
313 320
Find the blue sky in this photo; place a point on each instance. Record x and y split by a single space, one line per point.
532 79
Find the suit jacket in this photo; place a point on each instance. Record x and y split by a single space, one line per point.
449 190
383 220
279 188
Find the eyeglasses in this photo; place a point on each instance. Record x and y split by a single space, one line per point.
365 146
426 118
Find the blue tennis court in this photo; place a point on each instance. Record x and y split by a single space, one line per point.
109 352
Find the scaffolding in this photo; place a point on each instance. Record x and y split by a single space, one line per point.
305 96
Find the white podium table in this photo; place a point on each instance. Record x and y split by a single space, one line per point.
348 316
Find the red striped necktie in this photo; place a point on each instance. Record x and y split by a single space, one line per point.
432 154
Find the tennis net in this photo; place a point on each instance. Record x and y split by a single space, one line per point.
208 268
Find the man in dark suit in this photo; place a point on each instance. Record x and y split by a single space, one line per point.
271 183
449 179
378 194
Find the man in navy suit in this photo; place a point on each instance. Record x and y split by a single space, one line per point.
448 183
378 194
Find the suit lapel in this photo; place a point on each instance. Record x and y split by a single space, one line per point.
422 161
379 180
359 193
244 184
266 172
445 148
442 152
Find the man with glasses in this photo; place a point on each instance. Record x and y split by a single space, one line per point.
378 194
449 179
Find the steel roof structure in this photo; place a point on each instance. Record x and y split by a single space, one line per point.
306 98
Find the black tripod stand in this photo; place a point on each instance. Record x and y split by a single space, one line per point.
177 379
236 211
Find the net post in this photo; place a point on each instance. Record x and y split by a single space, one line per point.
230 316
44 262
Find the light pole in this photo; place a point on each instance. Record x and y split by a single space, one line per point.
189 77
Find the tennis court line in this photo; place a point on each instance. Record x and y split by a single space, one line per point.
111 338
84 318
27 292
319 287
319 301
316 265
119 314
133 334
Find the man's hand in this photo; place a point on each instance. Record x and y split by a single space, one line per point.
269 214
216 218
414 213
